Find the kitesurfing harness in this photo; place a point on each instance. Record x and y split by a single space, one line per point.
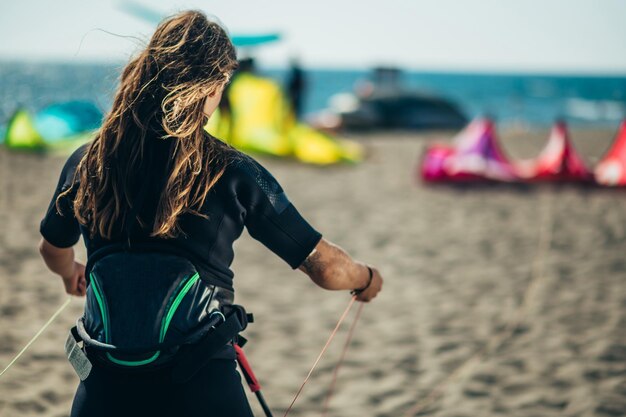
147 306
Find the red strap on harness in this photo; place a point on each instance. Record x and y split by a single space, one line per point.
247 370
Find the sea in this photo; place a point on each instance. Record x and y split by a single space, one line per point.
530 100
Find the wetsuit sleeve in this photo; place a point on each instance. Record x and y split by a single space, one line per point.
61 229
270 217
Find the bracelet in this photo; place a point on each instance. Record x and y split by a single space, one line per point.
358 291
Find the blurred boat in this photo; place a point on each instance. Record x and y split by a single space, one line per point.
385 103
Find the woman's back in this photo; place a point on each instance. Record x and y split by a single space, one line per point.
246 195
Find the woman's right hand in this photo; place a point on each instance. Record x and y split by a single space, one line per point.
373 289
332 268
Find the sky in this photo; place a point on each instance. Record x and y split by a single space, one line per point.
554 36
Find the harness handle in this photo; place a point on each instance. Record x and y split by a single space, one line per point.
251 379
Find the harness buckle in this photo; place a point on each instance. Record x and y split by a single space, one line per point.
217 313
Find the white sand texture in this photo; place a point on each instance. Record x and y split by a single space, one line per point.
498 300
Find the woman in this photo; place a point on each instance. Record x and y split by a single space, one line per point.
152 175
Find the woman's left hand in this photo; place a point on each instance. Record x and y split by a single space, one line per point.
75 284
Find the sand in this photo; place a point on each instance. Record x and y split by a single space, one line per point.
498 300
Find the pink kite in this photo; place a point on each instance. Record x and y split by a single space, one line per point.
475 156
433 162
558 161
611 170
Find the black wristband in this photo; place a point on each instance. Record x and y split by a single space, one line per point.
358 291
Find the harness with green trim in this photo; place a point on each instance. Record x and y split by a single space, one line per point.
147 306
161 307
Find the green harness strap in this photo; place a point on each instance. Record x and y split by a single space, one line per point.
165 322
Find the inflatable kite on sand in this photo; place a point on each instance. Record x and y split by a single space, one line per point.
59 127
558 161
261 121
611 170
474 156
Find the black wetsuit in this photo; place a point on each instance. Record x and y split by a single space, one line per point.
247 196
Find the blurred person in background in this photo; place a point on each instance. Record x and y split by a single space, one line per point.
296 86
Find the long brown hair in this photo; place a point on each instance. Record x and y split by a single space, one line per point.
160 97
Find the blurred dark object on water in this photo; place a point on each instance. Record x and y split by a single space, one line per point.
385 103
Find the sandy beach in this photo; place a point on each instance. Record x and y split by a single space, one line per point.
498 300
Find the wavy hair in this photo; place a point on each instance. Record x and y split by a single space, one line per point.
160 97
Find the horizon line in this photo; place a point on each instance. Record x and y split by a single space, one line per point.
469 70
